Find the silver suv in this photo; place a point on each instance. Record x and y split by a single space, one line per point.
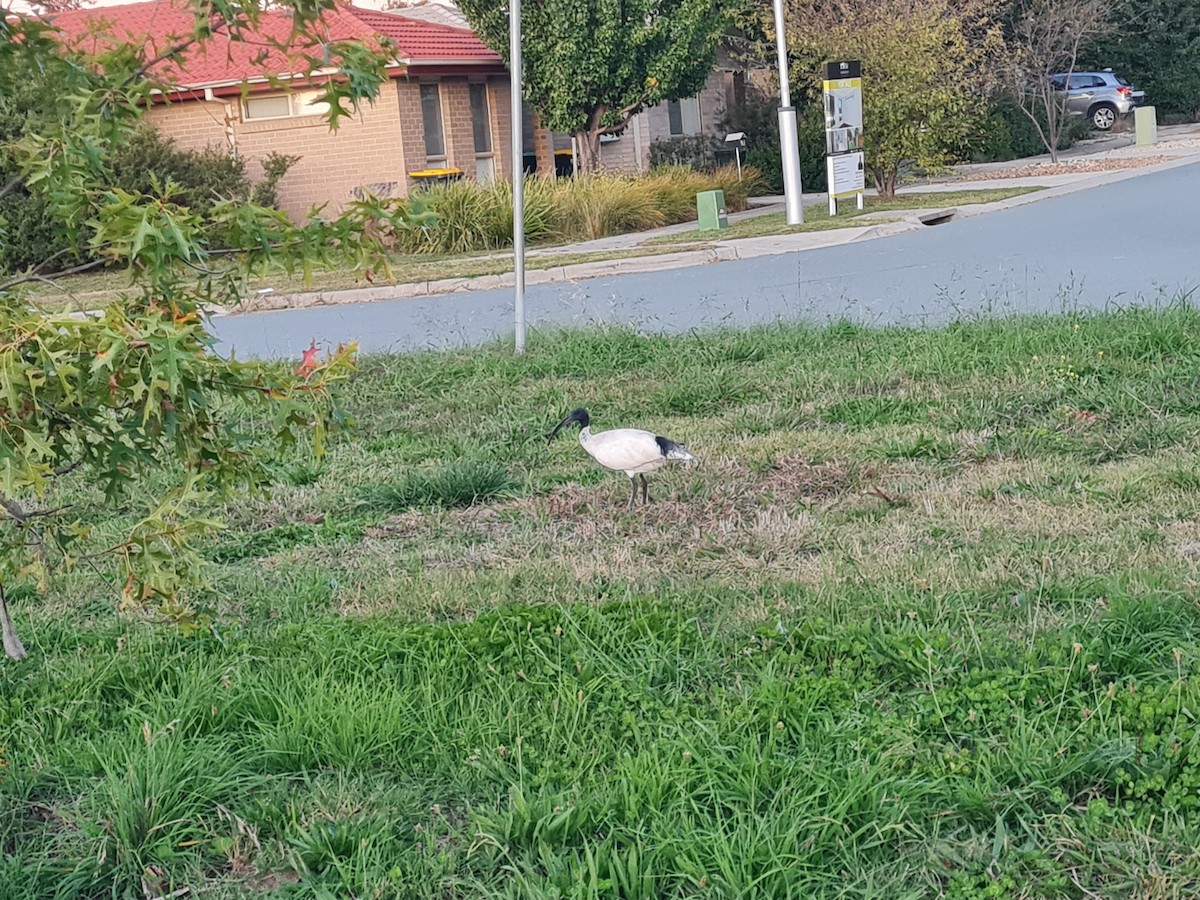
1100 96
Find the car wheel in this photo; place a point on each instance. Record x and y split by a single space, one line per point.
1103 117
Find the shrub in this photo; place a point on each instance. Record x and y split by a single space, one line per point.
596 206
275 166
465 217
204 177
699 152
758 119
1006 133
29 236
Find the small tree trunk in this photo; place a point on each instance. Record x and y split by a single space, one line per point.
13 648
587 152
1054 128
885 182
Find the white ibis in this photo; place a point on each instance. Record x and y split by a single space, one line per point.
629 450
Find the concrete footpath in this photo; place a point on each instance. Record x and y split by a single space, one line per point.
1089 166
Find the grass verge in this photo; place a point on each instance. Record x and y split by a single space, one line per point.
817 218
921 622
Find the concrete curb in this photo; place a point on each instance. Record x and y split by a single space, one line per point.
736 249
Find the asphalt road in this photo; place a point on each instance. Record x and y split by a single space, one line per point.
1130 242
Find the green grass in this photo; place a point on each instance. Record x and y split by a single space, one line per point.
920 623
817 218
92 291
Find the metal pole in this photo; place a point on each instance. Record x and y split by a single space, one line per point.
518 171
789 141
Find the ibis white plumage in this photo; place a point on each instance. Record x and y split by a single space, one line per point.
629 450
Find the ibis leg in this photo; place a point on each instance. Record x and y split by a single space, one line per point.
632 496
645 489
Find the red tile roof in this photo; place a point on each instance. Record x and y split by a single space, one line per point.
424 40
162 24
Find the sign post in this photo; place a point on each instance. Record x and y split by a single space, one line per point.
789 141
518 173
844 168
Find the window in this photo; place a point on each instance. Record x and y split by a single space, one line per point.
284 106
480 118
431 115
684 116
481 124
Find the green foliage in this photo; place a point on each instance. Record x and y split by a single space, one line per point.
202 178
758 118
142 164
1007 133
275 166
590 66
464 216
131 402
696 152
1155 44
922 66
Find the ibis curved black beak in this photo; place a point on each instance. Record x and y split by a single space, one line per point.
575 415
551 435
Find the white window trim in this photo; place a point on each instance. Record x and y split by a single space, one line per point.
443 158
301 104
686 105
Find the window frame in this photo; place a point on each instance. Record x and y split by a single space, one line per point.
436 89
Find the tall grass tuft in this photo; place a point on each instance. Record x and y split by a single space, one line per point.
466 217
461 483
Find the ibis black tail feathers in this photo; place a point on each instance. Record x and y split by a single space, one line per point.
671 450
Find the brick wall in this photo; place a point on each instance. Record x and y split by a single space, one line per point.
500 98
366 153
193 124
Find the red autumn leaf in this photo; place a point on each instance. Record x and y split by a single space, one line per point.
308 361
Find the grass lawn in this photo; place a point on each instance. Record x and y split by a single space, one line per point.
921 622
91 291
817 218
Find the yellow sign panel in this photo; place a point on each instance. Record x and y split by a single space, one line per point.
842 84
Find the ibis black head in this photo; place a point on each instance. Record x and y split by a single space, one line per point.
579 415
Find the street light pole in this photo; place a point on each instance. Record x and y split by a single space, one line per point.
789 141
518 171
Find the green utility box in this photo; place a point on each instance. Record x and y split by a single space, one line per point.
1145 125
710 209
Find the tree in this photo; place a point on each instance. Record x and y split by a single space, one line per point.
590 66
1156 45
924 68
129 413
1047 39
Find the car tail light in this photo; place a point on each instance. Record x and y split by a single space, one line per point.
1124 91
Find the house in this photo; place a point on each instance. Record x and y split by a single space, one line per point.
699 116
444 112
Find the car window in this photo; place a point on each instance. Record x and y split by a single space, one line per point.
1058 81
1080 81
1098 81
1121 81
